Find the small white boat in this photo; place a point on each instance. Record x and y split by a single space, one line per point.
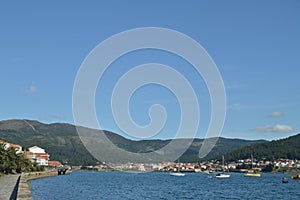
176 171
177 174
222 175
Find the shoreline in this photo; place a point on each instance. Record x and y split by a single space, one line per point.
23 192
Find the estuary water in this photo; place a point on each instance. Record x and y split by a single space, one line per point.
123 185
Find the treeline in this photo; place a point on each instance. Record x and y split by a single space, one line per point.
11 162
285 148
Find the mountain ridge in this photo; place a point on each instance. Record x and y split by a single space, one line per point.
283 148
62 142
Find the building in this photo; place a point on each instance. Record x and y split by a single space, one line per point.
38 155
55 164
37 150
7 145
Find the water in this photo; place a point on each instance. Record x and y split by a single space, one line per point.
121 185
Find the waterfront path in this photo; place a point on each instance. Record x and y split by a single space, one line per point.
7 185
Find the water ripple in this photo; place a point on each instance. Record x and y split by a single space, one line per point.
117 185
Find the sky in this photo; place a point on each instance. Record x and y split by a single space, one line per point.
254 44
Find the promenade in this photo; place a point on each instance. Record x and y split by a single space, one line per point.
7 185
9 190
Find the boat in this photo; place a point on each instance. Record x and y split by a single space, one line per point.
284 180
297 177
177 172
223 174
251 174
254 173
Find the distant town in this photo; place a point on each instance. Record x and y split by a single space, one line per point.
39 156
280 165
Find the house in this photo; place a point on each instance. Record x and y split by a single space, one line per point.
36 149
7 145
53 163
42 159
38 155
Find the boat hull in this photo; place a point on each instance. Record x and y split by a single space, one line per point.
285 180
251 175
223 176
177 174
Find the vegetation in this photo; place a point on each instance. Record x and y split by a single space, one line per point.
268 168
62 142
285 148
11 162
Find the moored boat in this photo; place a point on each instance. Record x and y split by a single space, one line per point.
252 174
297 177
177 174
284 180
222 175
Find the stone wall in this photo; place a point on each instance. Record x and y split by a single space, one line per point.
24 186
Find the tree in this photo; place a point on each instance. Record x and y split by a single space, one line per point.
268 168
11 162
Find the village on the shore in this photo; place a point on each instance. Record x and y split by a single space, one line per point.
280 165
42 158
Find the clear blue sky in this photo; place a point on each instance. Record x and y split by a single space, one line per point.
255 45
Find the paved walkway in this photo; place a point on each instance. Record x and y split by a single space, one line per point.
7 184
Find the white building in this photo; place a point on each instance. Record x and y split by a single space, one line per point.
37 150
38 155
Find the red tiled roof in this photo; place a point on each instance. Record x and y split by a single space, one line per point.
14 145
54 163
43 157
37 155
42 154
10 144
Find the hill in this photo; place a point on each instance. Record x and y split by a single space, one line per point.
284 148
62 142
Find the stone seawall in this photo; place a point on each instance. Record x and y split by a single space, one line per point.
15 190
24 186
9 186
